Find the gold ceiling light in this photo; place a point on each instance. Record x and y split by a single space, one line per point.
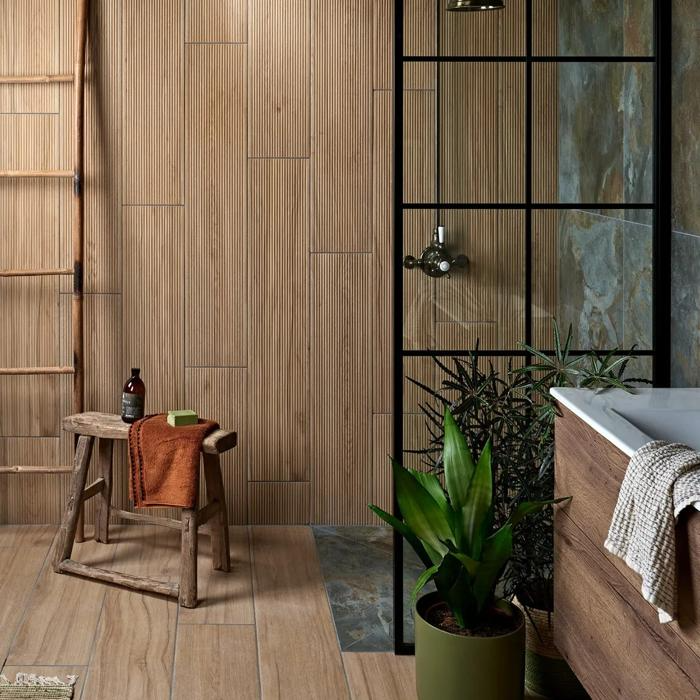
475 5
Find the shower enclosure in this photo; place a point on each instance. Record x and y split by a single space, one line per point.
538 136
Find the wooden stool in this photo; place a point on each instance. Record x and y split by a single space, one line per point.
107 428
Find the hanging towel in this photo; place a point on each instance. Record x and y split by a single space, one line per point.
662 479
164 461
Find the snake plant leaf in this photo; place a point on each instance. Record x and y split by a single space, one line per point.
529 507
432 485
420 511
422 582
478 504
471 565
495 555
457 461
460 597
426 554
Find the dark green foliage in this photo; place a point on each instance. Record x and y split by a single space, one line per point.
453 529
516 412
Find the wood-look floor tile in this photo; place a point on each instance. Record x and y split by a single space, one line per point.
224 598
63 612
298 649
19 570
134 645
22 536
380 676
216 661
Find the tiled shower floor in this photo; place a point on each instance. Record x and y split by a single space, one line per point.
357 570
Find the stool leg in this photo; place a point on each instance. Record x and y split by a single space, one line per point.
69 524
80 527
105 449
220 550
188 559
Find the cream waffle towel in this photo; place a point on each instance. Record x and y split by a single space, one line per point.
662 479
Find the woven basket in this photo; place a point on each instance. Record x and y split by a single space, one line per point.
546 671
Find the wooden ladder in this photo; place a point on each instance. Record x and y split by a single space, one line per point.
77 230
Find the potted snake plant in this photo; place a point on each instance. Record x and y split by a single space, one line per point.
468 638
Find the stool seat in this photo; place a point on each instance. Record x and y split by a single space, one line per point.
107 427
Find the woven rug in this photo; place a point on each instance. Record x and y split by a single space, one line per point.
27 686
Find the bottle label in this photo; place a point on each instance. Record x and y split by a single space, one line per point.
132 406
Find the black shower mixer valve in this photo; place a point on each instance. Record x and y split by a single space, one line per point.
435 260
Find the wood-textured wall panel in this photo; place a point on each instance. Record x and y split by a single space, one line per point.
221 394
103 146
280 86
469 156
29 235
279 320
419 146
486 300
545 275
279 502
383 44
152 303
152 101
545 37
187 216
419 290
381 465
215 215
511 133
382 331
29 39
420 39
216 21
104 372
33 498
342 114
484 33
341 377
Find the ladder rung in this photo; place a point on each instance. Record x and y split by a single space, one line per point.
29 79
7 371
49 272
36 173
35 470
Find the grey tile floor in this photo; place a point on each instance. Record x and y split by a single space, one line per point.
357 569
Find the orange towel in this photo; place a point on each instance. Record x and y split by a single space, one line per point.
164 461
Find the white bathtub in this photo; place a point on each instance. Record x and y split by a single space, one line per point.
630 420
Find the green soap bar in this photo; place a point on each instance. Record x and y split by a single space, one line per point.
180 418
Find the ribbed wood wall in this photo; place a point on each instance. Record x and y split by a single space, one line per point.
239 232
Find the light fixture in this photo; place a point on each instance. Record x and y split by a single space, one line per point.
474 5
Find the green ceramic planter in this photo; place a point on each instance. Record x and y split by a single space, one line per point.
450 667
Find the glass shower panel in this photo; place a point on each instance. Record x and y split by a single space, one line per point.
482 132
604 276
419 151
593 133
483 302
463 33
600 28
499 33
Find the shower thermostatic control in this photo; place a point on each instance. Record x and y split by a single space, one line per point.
435 260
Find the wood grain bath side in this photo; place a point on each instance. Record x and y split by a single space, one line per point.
605 629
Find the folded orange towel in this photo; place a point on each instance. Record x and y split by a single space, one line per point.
164 461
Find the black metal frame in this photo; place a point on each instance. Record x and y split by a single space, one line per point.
661 207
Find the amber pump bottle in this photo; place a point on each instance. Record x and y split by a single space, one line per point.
133 397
